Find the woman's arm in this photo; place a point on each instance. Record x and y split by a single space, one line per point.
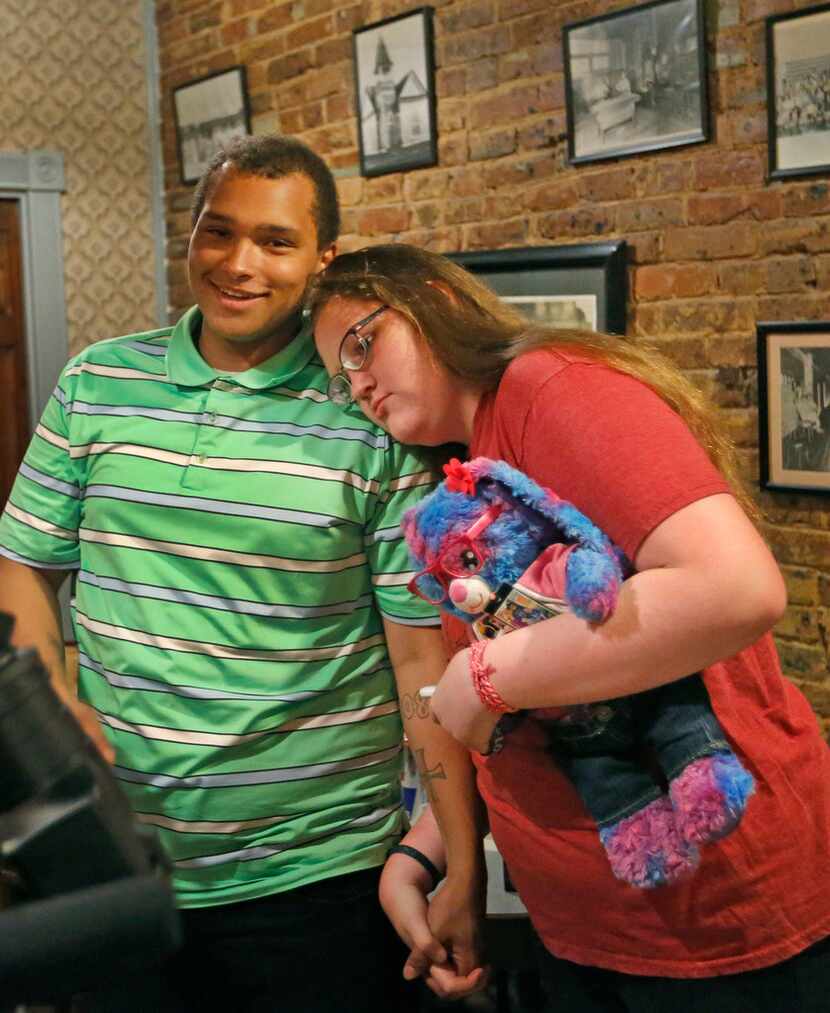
706 587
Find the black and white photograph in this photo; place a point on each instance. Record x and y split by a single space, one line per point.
395 84
210 111
582 285
794 406
635 80
578 311
798 92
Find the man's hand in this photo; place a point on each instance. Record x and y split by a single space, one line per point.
456 706
446 983
455 916
88 720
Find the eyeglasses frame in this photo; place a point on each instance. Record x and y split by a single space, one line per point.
340 382
467 537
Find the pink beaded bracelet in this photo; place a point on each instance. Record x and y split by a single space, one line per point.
480 673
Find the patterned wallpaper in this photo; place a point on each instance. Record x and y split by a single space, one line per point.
72 79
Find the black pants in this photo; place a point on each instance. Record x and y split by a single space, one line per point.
798 985
323 948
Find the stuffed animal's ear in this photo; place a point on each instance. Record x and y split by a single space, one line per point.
592 583
570 522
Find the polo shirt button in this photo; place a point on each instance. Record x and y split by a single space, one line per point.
199 459
603 713
211 417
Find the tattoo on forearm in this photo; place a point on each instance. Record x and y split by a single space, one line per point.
437 773
413 705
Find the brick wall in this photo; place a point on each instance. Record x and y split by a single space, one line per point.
714 247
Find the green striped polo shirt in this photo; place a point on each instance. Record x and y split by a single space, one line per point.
235 540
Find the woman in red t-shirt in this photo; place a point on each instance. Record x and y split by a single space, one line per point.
433 356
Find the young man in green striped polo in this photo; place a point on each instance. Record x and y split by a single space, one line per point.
240 604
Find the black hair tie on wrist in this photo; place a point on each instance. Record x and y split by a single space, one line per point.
420 858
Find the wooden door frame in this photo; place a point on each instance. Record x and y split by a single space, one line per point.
35 179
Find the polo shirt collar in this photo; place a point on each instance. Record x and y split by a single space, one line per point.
186 367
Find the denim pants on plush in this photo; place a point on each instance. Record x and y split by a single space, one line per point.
620 754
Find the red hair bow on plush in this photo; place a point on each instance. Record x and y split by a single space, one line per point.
459 478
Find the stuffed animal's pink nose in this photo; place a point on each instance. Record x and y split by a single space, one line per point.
470 594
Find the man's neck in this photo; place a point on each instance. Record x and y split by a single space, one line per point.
228 356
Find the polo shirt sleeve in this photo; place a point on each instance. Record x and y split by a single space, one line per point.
408 475
39 526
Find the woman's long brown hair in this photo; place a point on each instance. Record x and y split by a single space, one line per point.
476 335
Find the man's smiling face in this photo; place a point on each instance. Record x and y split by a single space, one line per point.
252 253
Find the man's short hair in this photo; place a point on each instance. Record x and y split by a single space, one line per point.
274 156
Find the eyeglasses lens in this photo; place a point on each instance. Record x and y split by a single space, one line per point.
340 390
353 351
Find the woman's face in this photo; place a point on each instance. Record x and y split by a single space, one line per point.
400 386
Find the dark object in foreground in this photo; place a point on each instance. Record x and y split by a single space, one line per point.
87 885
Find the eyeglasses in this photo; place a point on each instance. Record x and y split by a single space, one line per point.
353 353
460 557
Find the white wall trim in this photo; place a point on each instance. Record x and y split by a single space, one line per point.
152 75
36 180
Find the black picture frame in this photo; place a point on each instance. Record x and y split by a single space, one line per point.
798 92
394 74
557 283
794 406
636 80
209 111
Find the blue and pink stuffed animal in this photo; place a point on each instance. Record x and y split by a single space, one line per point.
654 769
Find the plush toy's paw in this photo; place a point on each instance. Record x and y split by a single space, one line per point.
709 797
593 583
647 848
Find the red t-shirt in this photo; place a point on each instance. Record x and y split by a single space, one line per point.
607 443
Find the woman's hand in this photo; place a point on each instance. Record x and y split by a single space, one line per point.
456 706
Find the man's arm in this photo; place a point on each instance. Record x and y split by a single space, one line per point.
419 657
30 596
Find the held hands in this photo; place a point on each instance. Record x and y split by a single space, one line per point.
455 916
450 971
457 707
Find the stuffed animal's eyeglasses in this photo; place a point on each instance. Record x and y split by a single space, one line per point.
353 353
461 556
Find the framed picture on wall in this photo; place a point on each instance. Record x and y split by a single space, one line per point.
798 92
794 406
635 80
395 84
583 285
209 112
